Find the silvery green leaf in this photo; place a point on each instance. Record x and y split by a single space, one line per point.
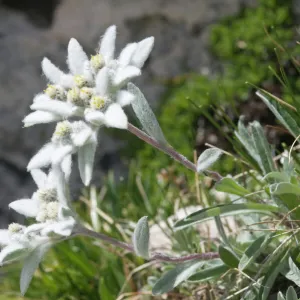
30 265
86 156
141 237
280 296
176 276
12 252
145 114
284 188
291 294
294 273
208 158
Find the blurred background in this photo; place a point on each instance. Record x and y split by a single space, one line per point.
205 51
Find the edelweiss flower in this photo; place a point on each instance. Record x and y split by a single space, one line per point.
15 243
69 138
92 83
46 206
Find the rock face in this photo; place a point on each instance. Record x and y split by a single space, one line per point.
29 31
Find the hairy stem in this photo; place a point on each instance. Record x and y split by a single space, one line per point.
164 148
155 256
170 151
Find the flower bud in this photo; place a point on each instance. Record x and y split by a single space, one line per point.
80 81
86 94
52 210
47 195
97 102
97 62
62 131
15 228
55 92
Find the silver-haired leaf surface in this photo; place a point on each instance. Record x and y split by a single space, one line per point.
280 296
208 158
141 237
176 276
291 294
294 273
30 265
145 114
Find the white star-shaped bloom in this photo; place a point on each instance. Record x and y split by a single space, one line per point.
69 138
69 94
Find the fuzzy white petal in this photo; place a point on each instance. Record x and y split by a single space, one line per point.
63 228
115 117
76 57
34 228
26 207
39 177
81 138
41 97
60 153
86 156
125 98
42 158
67 81
126 54
87 71
63 109
53 73
11 252
61 185
107 46
142 52
4 237
66 166
102 81
40 117
95 118
123 75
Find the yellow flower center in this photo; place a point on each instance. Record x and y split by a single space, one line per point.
80 81
97 61
15 227
97 102
62 129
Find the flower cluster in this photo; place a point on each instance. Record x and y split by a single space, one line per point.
94 91
91 95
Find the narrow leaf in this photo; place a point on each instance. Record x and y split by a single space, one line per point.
284 188
145 114
294 273
230 186
141 237
228 257
287 117
262 148
30 265
208 158
208 274
176 276
291 294
224 210
253 251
